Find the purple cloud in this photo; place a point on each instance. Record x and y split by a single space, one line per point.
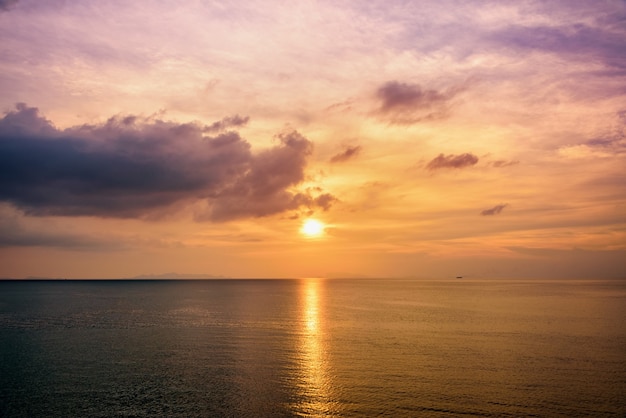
262 189
452 161
347 154
504 163
12 235
615 141
582 41
615 144
6 5
131 166
494 210
404 103
235 121
601 142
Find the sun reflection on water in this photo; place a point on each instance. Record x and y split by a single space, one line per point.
314 382
311 310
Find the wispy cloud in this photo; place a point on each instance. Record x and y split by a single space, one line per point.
615 141
452 161
348 153
7 4
494 210
405 103
504 163
16 233
578 41
130 166
228 122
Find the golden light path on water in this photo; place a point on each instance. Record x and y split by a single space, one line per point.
315 386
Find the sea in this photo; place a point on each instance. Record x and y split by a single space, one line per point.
313 347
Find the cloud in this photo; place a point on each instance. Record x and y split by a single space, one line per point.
15 233
452 161
504 163
347 154
14 237
6 5
403 103
494 210
131 166
614 142
578 40
582 151
325 201
262 189
25 121
601 142
228 122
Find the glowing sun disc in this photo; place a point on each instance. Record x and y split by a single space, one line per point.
312 228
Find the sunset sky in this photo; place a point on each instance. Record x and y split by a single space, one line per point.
430 138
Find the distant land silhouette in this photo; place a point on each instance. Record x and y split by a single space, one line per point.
164 276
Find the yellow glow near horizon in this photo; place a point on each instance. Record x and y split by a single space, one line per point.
312 228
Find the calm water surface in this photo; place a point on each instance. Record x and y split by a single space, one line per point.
313 347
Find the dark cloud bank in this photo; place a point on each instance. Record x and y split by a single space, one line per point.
132 166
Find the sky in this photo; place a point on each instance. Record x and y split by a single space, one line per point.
429 138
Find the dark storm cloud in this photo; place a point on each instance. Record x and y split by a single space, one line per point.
404 103
585 42
235 121
25 120
7 5
130 166
347 154
263 188
452 161
494 210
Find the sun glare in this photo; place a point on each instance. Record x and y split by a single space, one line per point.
312 228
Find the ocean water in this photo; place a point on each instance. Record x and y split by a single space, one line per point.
313 347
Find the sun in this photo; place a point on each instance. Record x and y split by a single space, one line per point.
312 228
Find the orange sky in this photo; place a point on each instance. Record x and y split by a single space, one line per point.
433 139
